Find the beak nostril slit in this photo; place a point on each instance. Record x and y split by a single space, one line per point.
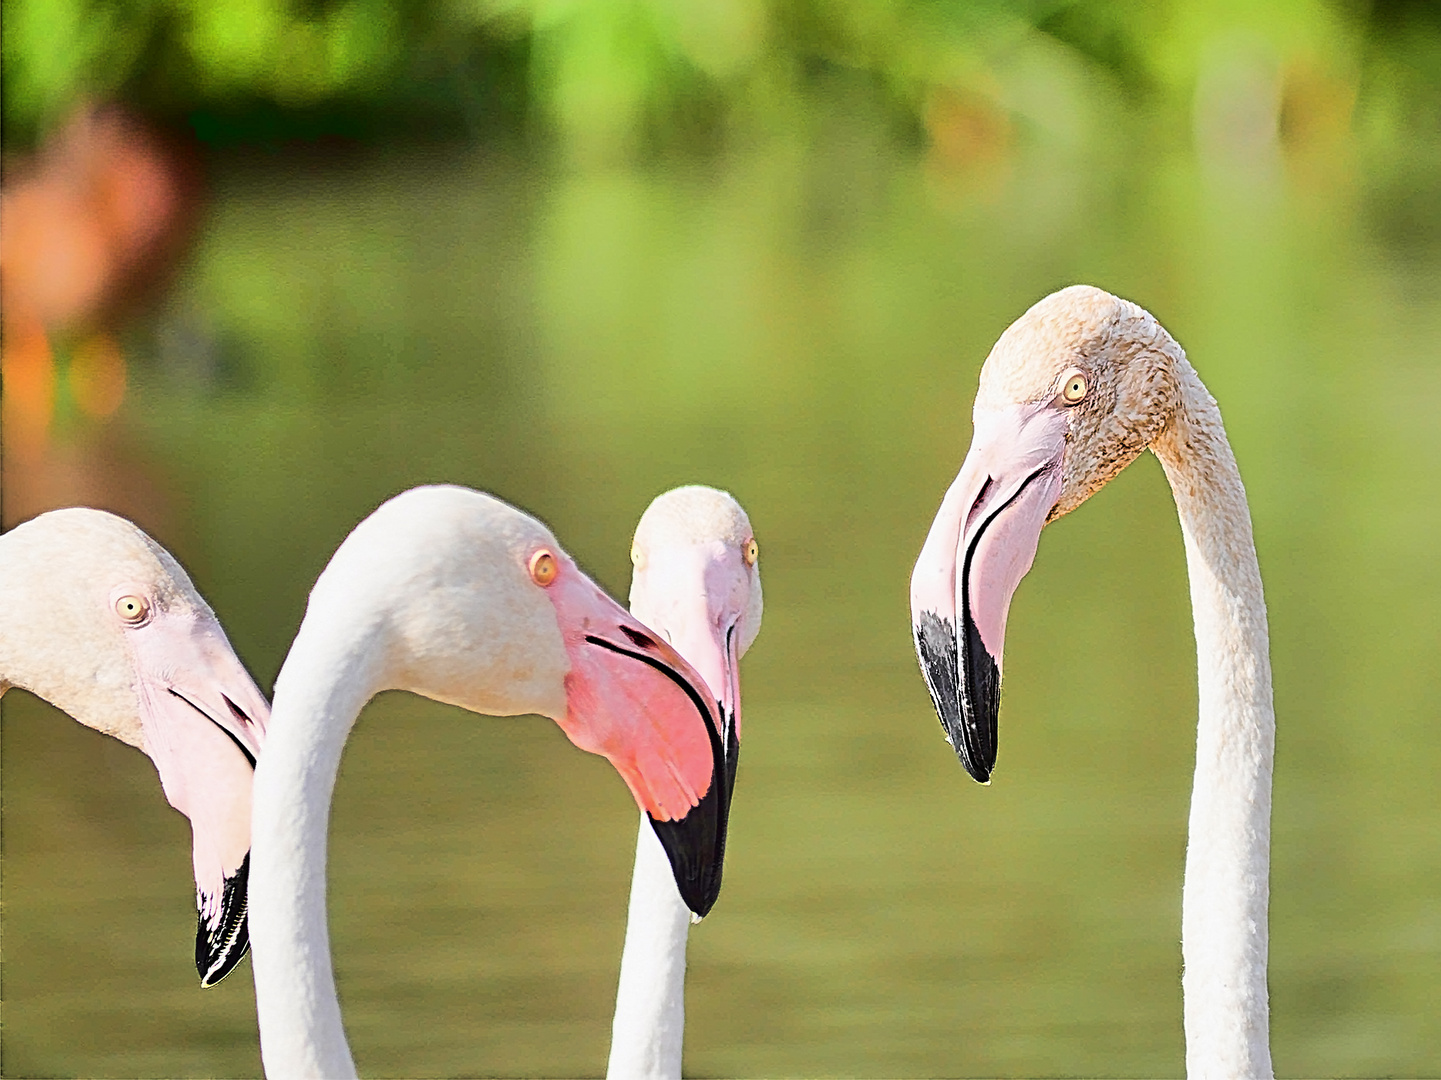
980 498
645 641
235 709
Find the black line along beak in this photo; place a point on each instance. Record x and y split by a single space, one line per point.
220 945
695 844
730 718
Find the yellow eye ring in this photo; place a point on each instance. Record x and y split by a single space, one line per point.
1074 389
751 552
133 610
542 568
637 558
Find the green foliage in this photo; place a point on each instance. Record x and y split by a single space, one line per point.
608 77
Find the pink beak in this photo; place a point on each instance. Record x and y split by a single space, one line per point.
981 544
714 651
632 698
691 595
203 720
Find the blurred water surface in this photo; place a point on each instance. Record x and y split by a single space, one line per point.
802 324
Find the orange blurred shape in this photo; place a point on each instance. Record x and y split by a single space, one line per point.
55 263
91 224
27 386
94 218
97 375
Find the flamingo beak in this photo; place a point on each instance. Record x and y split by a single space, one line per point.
714 650
203 720
981 544
688 593
631 698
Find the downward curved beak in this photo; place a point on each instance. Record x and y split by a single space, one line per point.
714 652
632 698
981 544
204 721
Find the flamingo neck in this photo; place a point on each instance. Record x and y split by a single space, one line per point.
1224 902
649 1022
331 672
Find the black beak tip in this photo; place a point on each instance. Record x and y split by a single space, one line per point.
701 900
221 945
980 700
217 965
965 686
980 772
695 846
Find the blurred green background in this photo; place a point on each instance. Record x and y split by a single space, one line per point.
578 253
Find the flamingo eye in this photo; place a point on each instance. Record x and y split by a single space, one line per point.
637 557
1073 391
133 610
542 568
751 552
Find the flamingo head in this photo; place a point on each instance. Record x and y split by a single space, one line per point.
482 608
697 583
1070 395
102 622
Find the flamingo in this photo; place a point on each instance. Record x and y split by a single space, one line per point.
697 583
102 622
455 595
1073 392
97 219
94 223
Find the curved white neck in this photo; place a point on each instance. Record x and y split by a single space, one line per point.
649 1025
1224 903
326 680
